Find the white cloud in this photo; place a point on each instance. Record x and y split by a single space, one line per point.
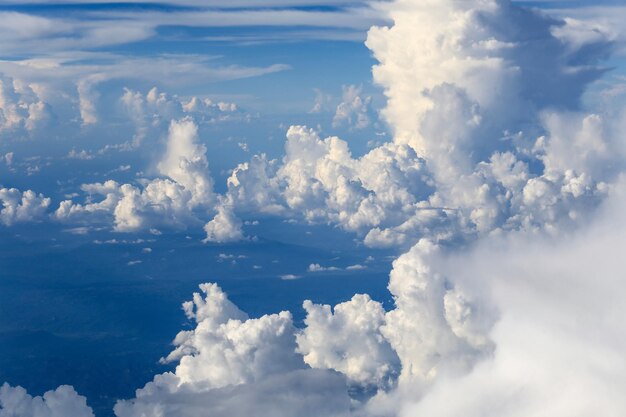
518 324
558 336
20 106
69 83
462 164
62 402
425 328
320 181
354 109
225 226
306 393
349 340
289 277
20 206
171 202
82 155
88 96
322 101
186 163
231 365
320 268
150 112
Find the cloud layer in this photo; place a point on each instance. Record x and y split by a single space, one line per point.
504 303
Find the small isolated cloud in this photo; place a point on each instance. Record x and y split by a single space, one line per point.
322 101
354 110
8 158
319 268
82 155
356 267
289 277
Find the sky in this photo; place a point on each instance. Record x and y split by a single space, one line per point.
312 207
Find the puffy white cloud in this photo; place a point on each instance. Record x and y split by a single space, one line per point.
62 402
462 164
348 339
225 226
559 337
151 111
320 181
20 206
434 323
186 163
482 147
20 106
354 109
227 348
161 202
88 96
471 45
169 202
233 365
320 268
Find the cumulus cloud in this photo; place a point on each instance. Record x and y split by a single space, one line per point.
234 365
18 206
503 328
185 162
461 164
434 323
354 109
319 180
151 111
171 201
348 339
558 336
21 107
69 86
225 226
62 402
320 268
489 142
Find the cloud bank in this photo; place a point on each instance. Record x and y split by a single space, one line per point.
504 304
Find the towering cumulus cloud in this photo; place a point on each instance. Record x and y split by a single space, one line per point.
170 202
484 103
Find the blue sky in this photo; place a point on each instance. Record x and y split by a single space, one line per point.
401 178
